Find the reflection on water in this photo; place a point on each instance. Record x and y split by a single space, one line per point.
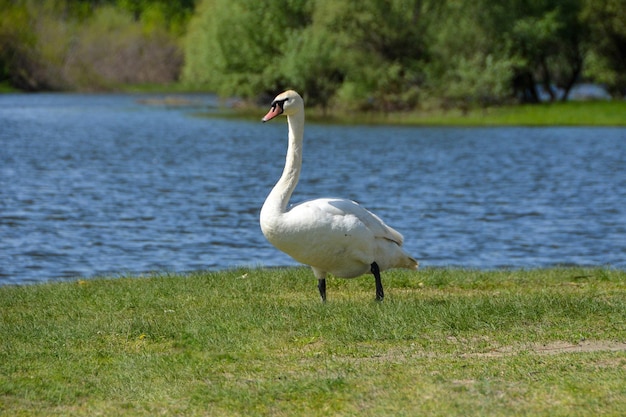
104 184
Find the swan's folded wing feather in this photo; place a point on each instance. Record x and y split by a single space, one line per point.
343 208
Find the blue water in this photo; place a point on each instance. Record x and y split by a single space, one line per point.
107 184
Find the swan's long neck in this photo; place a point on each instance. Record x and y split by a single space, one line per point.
277 200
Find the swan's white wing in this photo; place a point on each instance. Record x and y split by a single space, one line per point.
342 208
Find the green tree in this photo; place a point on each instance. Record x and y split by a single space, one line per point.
544 38
235 47
112 49
396 54
369 51
168 15
16 44
469 66
607 58
384 44
80 44
313 63
33 42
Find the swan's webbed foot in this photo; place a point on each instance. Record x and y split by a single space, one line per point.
380 294
321 285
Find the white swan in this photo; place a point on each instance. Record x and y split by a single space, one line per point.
331 235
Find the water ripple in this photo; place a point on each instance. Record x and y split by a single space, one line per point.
100 184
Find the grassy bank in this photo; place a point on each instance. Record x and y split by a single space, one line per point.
6 88
258 342
575 113
579 113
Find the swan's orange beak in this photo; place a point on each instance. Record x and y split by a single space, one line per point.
276 110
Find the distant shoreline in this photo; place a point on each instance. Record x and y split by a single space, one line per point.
596 113
573 113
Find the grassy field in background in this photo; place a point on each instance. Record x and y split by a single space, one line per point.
445 342
574 113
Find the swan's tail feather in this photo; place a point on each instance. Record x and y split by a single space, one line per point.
394 256
411 263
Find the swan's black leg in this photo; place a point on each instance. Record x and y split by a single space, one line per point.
321 285
380 294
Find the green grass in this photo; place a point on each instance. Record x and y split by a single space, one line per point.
173 88
445 342
5 87
578 113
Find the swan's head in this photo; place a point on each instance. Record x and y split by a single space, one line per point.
286 103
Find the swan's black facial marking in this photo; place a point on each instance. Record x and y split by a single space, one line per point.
277 108
279 103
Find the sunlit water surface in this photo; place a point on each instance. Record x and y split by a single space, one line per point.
107 184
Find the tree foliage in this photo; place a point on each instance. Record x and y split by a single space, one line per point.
91 44
606 20
547 39
382 55
237 47
396 54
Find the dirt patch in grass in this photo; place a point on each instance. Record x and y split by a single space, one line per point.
557 347
584 346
